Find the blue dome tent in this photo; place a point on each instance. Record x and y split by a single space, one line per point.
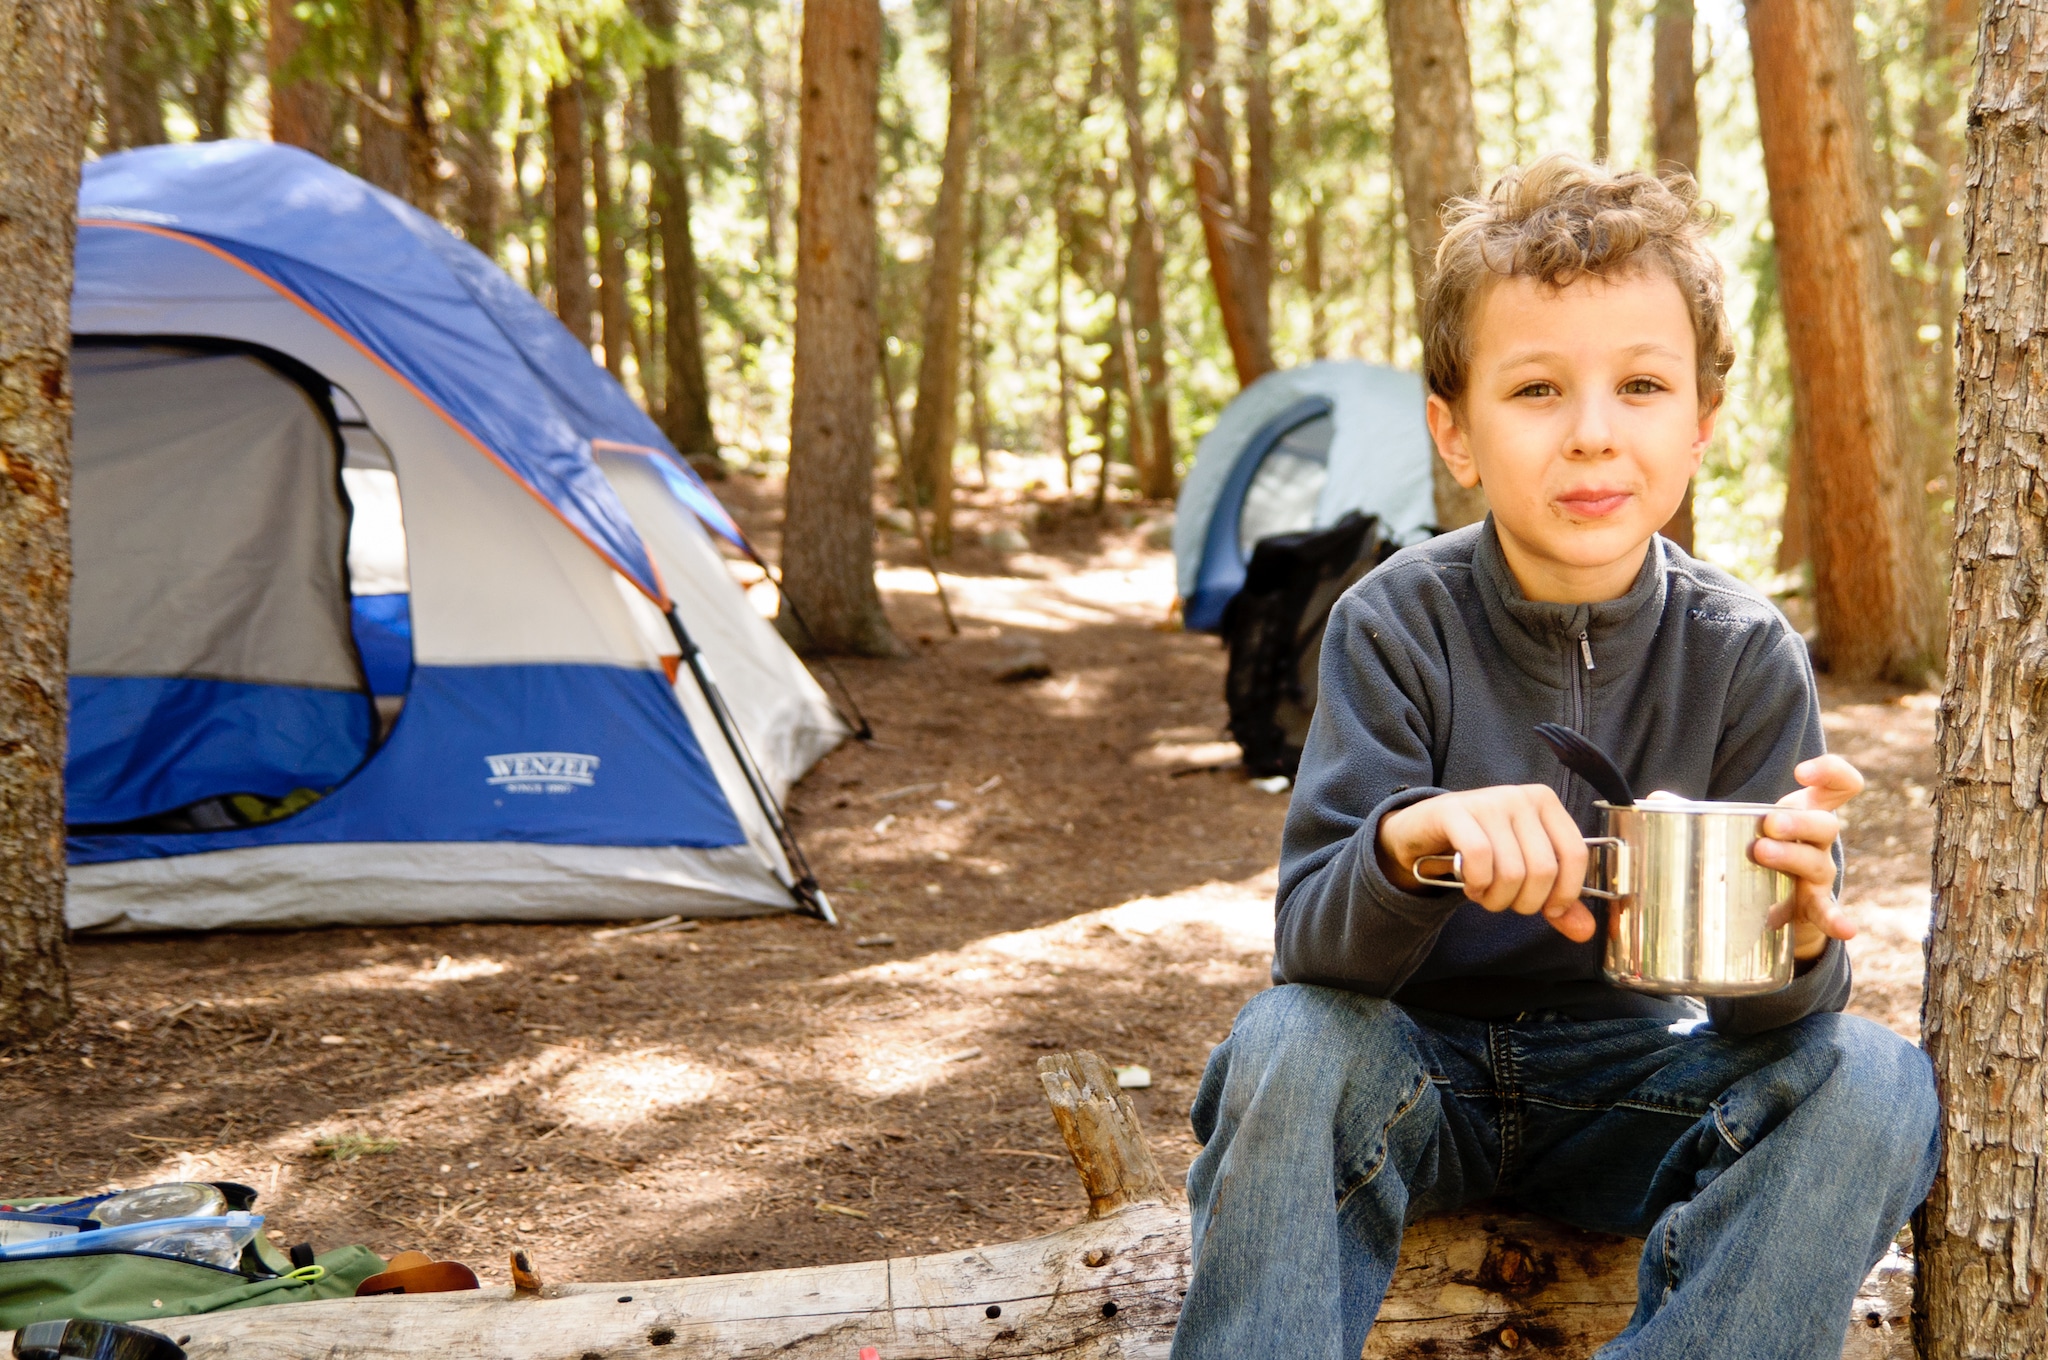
1297 450
390 604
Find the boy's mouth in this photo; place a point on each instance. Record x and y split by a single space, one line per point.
1593 502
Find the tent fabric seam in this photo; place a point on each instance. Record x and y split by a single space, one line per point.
659 596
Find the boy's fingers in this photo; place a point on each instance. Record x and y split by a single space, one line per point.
1508 867
1821 909
1801 824
1569 846
1469 840
1539 862
1829 781
1807 863
1575 923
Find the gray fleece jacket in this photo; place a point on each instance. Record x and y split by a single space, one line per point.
1434 670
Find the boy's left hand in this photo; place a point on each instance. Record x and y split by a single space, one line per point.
1799 841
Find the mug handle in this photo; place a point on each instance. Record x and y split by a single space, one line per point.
1613 843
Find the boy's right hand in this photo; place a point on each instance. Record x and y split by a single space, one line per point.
1522 851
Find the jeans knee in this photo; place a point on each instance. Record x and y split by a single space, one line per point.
1303 1047
1880 1085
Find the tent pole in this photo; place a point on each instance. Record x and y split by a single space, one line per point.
809 897
859 722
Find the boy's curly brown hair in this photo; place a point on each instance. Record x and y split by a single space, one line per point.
1560 218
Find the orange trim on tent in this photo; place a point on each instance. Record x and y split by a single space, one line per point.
659 595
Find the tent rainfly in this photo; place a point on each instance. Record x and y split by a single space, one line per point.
1297 450
389 604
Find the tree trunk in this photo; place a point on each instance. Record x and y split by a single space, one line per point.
828 534
1983 1234
134 108
422 150
1932 234
381 131
1437 151
1674 105
934 424
686 400
1875 590
977 323
1223 230
571 252
301 105
611 246
1603 95
1156 480
1675 119
46 70
1258 162
213 86
1063 437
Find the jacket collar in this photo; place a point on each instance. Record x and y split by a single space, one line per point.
1537 636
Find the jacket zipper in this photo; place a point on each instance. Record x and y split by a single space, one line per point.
1586 649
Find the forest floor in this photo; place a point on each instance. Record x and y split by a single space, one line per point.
1075 861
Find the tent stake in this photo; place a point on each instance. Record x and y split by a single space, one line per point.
809 897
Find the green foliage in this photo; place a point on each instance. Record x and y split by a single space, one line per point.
1050 167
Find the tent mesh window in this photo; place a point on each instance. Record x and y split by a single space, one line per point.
214 678
1274 630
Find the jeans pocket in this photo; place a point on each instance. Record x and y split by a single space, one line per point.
1376 1156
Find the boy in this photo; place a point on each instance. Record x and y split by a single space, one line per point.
1423 1050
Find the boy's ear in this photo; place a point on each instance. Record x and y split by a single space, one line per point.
1450 441
1708 416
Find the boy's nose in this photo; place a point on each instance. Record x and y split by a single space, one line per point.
1592 434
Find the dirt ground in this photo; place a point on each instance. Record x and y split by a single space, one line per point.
1068 862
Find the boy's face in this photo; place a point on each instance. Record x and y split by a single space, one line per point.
1581 418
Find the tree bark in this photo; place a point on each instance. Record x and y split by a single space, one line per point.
611 246
1437 151
46 85
571 252
1224 233
828 535
1674 103
686 399
422 141
1675 141
1933 234
213 74
1157 480
301 105
381 130
1982 1244
134 109
1258 162
1603 95
1875 591
934 424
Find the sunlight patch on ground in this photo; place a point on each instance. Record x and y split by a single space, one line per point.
619 1090
401 976
955 994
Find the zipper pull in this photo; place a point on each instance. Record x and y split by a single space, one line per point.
1586 650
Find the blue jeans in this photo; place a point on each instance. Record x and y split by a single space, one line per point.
1767 1173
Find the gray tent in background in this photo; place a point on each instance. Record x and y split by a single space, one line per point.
1299 449
1309 479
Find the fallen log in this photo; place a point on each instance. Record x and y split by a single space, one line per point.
1471 1284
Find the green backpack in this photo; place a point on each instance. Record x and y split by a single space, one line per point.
127 1287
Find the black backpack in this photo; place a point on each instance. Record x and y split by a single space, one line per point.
1274 630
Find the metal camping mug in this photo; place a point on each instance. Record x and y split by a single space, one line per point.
1693 914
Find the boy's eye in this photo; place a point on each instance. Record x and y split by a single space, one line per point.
1641 387
1539 388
